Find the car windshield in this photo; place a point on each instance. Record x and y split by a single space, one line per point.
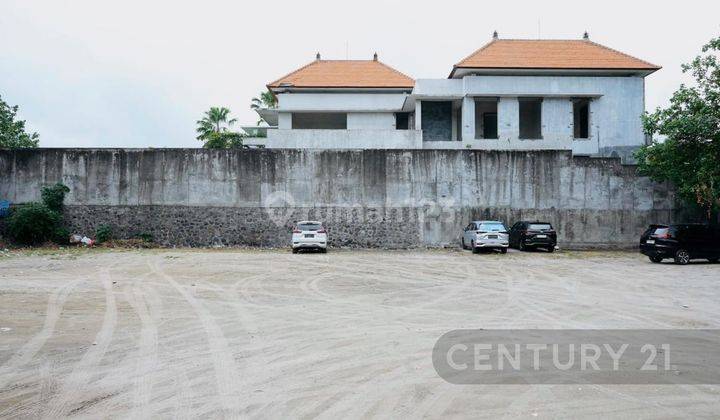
492 227
539 226
309 226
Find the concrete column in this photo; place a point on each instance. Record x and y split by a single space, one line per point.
468 118
284 121
418 114
454 115
508 119
557 119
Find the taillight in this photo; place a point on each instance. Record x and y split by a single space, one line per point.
297 231
321 231
665 235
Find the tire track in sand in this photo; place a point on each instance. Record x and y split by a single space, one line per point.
226 371
148 311
27 352
78 378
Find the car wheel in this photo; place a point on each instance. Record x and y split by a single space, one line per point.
551 249
656 259
521 245
682 257
474 249
503 250
295 250
713 260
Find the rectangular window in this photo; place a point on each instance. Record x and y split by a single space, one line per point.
402 120
490 125
492 227
311 227
486 124
319 121
581 118
530 118
458 122
539 226
436 120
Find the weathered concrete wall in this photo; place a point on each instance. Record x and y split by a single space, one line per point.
392 198
345 139
341 102
371 121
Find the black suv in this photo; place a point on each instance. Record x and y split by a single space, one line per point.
682 242
531 235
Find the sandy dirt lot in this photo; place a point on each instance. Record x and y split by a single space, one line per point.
231 333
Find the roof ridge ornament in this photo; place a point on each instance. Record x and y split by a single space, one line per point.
495 35
317 56
586 36
375 56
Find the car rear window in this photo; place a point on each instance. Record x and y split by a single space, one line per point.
492 227
661 231
309 226
539 226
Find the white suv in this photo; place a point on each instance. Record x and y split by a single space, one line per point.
485 234
309 234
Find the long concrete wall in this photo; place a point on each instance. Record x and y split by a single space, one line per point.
385 198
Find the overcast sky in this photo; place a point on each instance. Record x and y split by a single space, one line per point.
140 73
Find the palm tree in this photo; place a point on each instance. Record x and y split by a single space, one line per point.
215 121
266 100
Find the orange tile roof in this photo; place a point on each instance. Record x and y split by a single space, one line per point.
345 74
551 54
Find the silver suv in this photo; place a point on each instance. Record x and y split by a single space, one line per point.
485 234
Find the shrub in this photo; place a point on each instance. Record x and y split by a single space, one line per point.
103 234
54 196
33 223
61 235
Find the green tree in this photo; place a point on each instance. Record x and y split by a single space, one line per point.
264 100
214 130
12 132
689 154
215 120
34 223
224 140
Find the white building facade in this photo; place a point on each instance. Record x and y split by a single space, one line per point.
509 95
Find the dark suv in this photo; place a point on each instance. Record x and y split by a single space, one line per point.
681 242
531 235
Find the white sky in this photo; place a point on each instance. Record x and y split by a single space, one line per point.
140 73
